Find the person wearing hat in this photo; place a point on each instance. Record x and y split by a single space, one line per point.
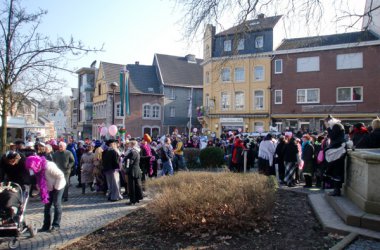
335 155
146 157
132 162
308 159
111 169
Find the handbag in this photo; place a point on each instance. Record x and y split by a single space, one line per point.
321 155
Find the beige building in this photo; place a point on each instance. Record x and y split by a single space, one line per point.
237 77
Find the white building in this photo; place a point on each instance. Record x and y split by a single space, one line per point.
60 122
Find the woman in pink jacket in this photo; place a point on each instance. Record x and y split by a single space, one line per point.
51 182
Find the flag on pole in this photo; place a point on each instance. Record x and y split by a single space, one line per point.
190 111
122 90
127 101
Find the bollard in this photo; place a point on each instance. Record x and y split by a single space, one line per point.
245 161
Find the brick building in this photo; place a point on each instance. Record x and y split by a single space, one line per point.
334 74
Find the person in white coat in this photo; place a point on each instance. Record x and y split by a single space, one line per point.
51 181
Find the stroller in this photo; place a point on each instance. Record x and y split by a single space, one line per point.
13 202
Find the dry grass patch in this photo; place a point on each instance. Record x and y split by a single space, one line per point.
212 201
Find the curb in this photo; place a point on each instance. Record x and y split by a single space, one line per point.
68 243
345 241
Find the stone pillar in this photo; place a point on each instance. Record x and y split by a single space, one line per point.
362 181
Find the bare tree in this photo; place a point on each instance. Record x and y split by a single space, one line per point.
29 60
199 13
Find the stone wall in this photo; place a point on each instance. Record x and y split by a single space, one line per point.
362 181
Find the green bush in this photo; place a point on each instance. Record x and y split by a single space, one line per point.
202 200
211 157
192 157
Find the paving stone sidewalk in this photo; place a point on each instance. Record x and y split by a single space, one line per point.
82 214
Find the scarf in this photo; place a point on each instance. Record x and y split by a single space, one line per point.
304 144
38 165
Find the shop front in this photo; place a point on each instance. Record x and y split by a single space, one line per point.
231 124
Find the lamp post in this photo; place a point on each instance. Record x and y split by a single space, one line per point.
113 86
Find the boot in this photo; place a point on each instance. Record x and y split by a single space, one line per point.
308 181
83 188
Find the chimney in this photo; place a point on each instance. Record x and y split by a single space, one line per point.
190 58
260 16
137 63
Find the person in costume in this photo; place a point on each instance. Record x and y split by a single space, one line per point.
51 182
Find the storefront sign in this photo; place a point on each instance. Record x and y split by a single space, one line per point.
232 120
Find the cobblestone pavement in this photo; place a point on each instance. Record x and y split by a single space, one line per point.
364 244
82 214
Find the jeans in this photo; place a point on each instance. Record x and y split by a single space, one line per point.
167 168
66 190
55 198
180 162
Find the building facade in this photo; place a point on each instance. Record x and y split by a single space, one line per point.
237 76
146 102
181 83
86 87
104 114
334 74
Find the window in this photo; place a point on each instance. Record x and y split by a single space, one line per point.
308 64
259 126
207 77
259 99
349 61
258 73
259 42
240 45
172 94
172 111
226 74
278 96
307 95
227 45
349 94
239 74
278 66
207 100
99 89
156 111
239 100
118 109
152 131
146 111
225 101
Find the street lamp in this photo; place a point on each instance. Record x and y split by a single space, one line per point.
113 86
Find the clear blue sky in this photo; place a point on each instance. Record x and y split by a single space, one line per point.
133 30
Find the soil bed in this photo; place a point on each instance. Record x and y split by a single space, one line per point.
293 226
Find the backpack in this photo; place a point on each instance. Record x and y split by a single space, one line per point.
162 154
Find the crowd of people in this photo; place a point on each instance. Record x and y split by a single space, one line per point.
45 169
120 169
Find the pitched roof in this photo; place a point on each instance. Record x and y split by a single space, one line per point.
111 71
176 70
258 24
318 41
143 79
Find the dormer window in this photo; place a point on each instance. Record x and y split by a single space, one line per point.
227 45
259 42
